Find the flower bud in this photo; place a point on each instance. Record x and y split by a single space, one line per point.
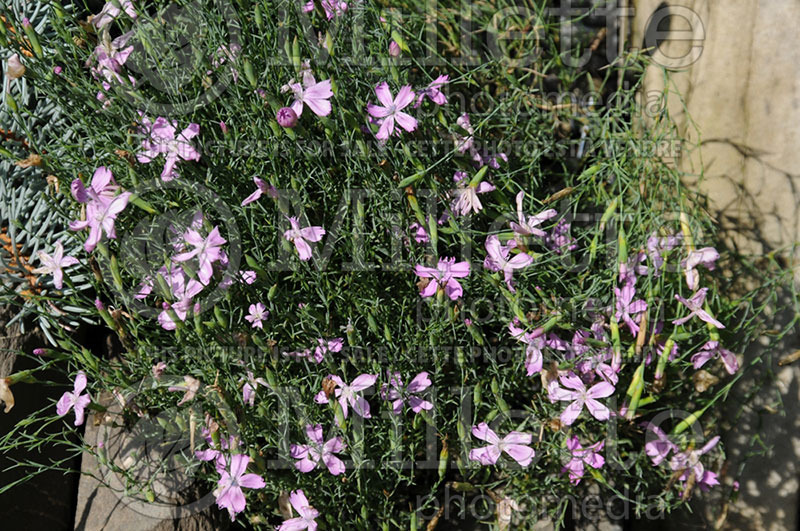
286 117
15 67
394 49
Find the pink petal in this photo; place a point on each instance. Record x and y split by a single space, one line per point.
334 464
598 410
404 97
363 382
252 481
571 413
483 432
303 249
384 94
406 121
488 455
521 454
420 382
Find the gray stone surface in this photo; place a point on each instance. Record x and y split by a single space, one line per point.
146 452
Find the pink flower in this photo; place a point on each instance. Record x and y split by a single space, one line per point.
216 454
307 514
580 396
712 349
514 444
443 276
466 194
207 250
347 394
528 226
229 487
327 345
183 291
706 257
310 455
420 234
75 400
190 386
627 308
395 392
102 206
394 49
434 91
689 463
158 369
301 237
391 111
465 143
251 383
52 265
311 93
163 140
581 455
535 341
497 259
333 8
286 117
695 305
258 313
659 448
110 12
261 188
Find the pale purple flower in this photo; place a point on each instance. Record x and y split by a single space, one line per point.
515 444
58 70
688 461
420 234
261 188
497 259
158 369
258 313
528 226
75 400
251 383
658 445
705 257
657 246
535 342
346 394
434 91
165 139
712 349
311 93
310 455
394 49
695 305
391 110
229 487
227 54
327 345
443 276
466 194
102 207
627 308
301 237
465 143
110 57
333 8
307 514
112 10
580 456
397 394
559 239
52 265
286 117
207 250
248 276
581 396
189 387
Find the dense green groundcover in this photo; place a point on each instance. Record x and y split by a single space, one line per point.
591 306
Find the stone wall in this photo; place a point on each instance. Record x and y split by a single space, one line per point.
735 65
